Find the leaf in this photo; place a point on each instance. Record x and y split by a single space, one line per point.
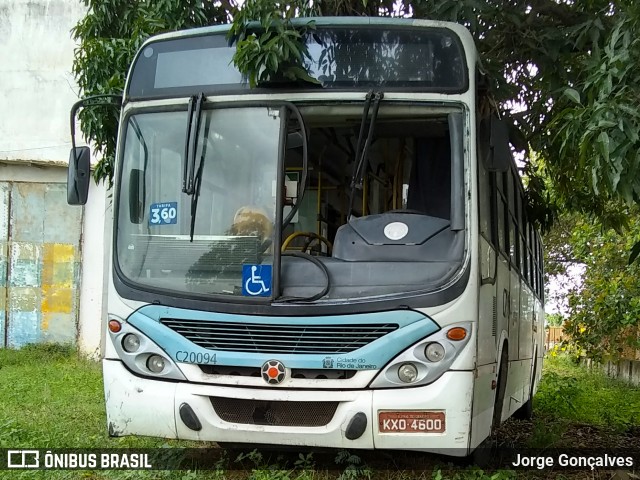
572 95
302 74
603 144
635 252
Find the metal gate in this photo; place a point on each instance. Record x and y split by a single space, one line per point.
39 264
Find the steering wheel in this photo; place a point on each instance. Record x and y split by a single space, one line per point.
312 236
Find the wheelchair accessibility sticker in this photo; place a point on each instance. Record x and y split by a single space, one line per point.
256 280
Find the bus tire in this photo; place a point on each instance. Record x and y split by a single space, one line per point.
501 387
525 412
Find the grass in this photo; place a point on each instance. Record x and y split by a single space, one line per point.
572 393
52 399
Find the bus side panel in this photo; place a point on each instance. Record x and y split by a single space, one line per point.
502 294
488 305
517 387
483 401
486 370
538 326
515 314
526 324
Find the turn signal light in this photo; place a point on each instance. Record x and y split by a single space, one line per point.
457 333
115 326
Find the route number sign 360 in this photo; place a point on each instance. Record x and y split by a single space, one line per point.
163 213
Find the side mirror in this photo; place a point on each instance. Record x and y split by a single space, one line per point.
136 201
79 175
494 135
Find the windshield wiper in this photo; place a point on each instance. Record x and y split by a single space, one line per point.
362 153
191 180
190 143
198 179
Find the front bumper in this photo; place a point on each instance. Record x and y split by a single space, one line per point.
143 406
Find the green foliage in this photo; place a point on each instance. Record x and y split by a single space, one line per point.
604 310
597 122
263 467
473 473
108 38
568 70
571 393
603 306
546 432
554 319
558 390
268 46
354 468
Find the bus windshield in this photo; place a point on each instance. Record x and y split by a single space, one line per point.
235 170
400 231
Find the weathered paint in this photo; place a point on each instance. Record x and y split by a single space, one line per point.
36 81
38 90
42 277
4 237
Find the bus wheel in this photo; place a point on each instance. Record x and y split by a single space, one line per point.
502 387
525 412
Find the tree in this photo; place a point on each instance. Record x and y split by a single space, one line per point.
566 73
604 307
108 38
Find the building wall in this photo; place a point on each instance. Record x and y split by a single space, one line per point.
37 84
38 90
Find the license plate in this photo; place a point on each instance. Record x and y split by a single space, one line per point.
411 422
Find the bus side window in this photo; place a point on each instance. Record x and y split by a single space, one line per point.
502 214
484 200
514 224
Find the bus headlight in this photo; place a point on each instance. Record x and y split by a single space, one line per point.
142 355
408 372
130 343
434 352
425 361
155 363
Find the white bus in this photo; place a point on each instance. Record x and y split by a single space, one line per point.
346 263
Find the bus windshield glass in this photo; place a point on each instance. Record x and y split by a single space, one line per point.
430 59
235 177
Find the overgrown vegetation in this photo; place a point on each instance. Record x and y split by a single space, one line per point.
603 309
53 399
570 393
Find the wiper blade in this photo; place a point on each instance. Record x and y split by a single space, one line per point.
198 179
191 180
190 143
362 153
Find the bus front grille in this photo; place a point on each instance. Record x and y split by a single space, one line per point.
296 373
275 413
275 338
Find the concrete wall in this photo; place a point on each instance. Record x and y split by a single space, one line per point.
624 370
37 91
36 81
